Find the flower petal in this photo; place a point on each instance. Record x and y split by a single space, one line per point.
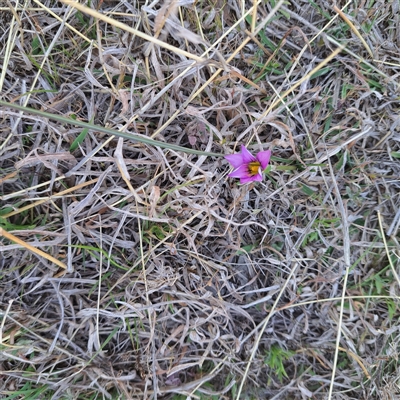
263 157
247 156
259 177
240 172
235 159
249 179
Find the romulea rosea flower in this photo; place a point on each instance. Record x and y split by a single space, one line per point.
247 167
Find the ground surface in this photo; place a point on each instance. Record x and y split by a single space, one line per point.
133 270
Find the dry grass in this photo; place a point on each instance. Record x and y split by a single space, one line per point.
133 271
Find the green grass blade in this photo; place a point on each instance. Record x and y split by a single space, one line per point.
130 136
79 139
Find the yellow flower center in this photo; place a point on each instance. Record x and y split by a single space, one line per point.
254 166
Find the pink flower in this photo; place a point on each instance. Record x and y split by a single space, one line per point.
247 167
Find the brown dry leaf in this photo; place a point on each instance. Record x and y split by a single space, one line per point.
124 99
45 159
169 8
153 200
119 159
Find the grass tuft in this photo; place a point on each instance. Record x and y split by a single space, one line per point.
132 267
